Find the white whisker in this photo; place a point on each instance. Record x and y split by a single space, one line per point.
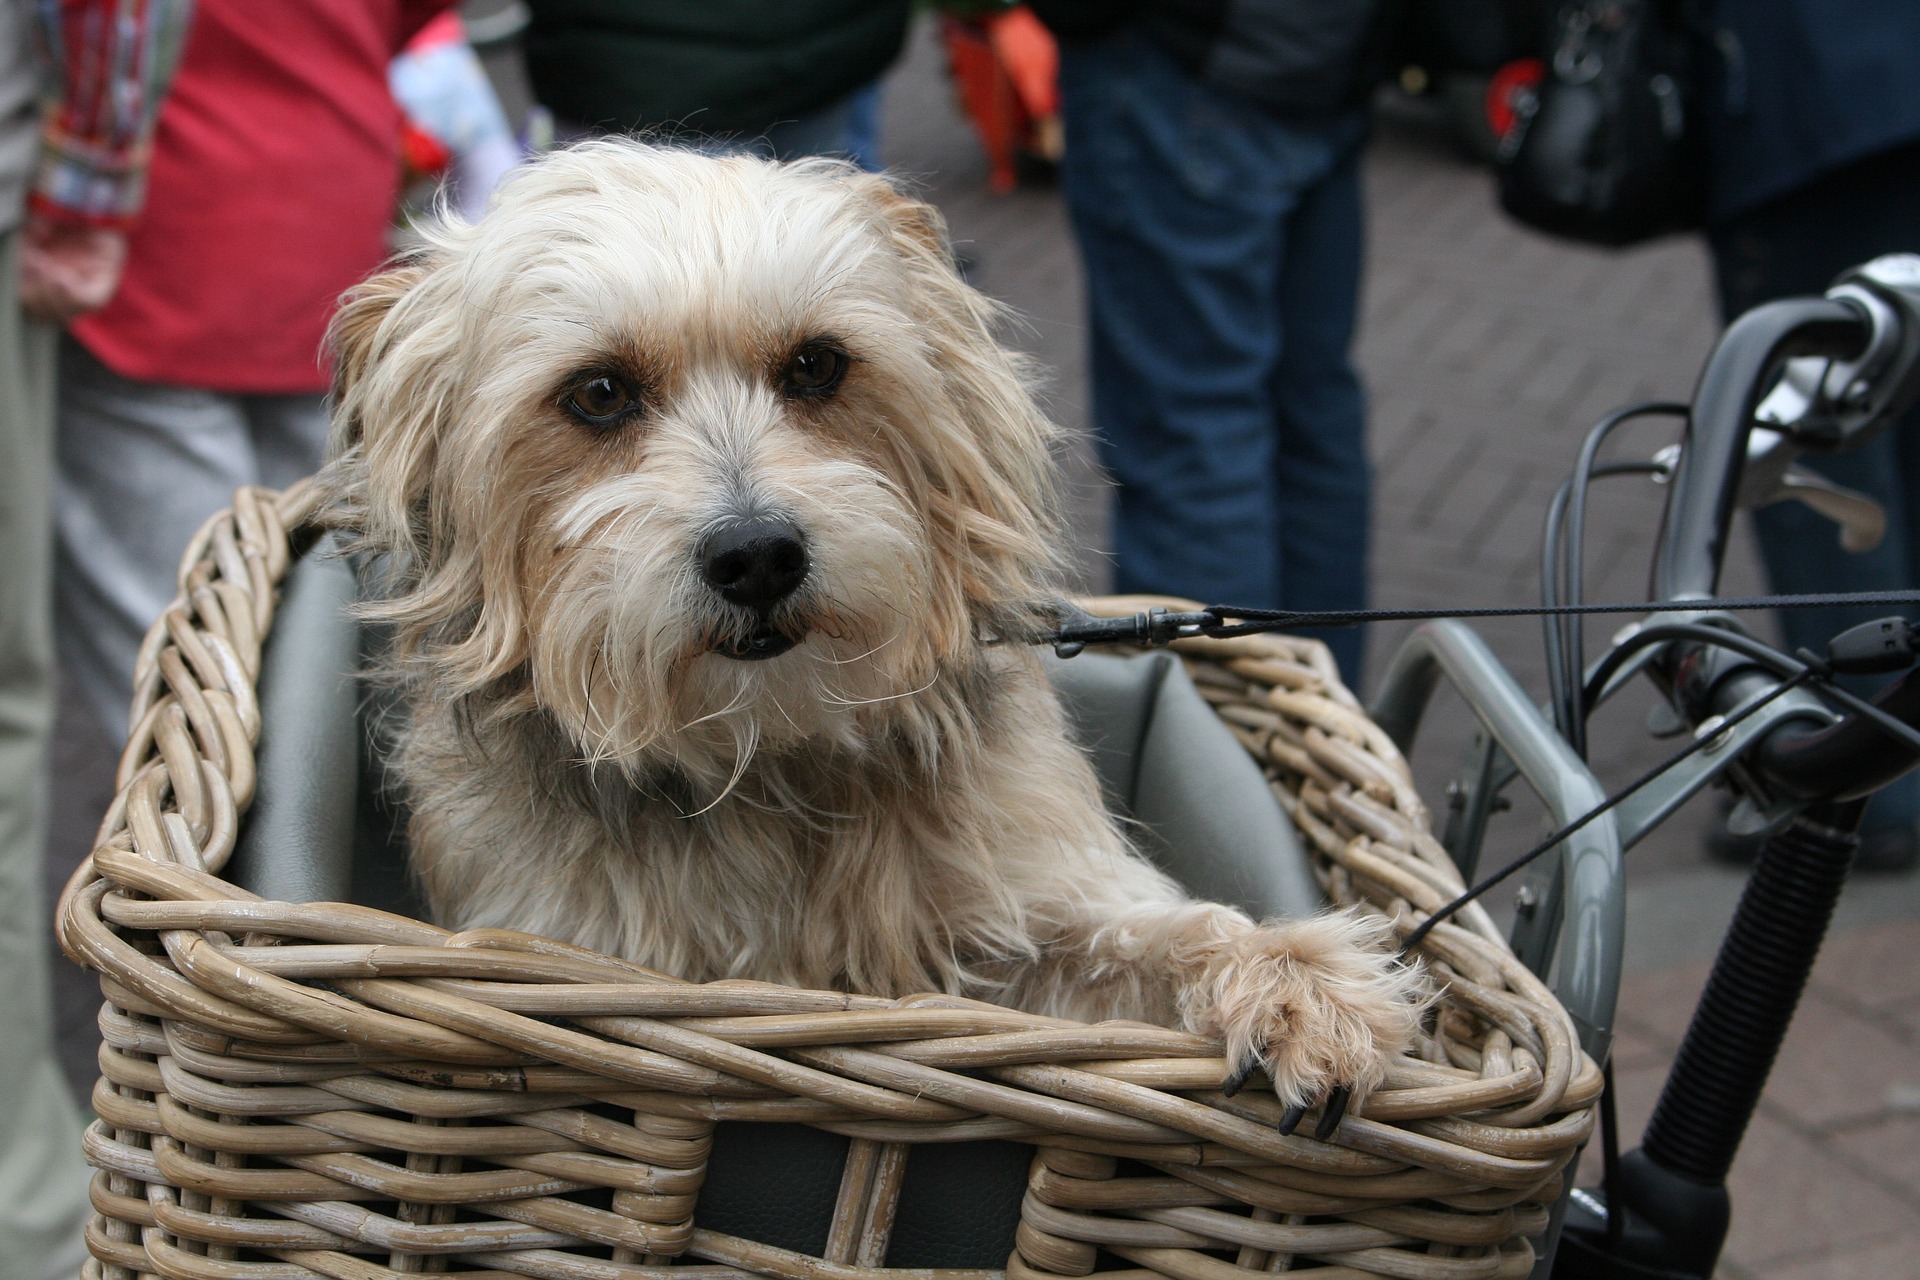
739 699
885 697
739 771
847 662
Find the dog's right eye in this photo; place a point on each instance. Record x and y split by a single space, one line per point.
815 371
599 401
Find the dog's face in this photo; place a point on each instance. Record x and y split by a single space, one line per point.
693 453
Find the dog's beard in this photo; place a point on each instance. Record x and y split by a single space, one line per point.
645 665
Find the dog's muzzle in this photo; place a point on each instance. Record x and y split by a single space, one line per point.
755 563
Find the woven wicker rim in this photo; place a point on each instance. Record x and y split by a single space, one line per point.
320 1089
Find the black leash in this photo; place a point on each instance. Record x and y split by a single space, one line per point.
1159 626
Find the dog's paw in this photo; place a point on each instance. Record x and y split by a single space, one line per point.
1321 1003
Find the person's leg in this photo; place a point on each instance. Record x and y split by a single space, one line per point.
1179 196
862 128
1797 245
43 1178
289 437
832 130
1322 477
141 467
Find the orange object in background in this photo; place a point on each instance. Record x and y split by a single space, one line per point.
1006 68
422 154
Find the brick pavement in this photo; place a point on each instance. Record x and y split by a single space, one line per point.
1487 351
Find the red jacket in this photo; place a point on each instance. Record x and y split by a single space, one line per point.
274 177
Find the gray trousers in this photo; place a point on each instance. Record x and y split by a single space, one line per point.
141 467
43 1178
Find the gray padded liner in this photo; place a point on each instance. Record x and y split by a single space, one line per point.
296 842
1203 811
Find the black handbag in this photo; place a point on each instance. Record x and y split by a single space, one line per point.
1605 147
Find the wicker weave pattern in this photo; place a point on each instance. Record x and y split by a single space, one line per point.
292 1091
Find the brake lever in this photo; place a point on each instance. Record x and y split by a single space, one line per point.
1772 475
1862 521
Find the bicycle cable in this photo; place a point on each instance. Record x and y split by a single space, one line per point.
1560 584
1804 676
1563 558
1805 668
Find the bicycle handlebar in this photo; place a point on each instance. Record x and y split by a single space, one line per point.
1867 332
1844 761
1869 326
1706 481
1825 372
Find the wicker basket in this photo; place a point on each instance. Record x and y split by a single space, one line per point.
327 1090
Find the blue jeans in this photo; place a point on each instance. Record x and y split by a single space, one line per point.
1222 249
849 128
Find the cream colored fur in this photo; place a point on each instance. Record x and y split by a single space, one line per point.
891 806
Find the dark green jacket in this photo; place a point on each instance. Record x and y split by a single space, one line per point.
710 66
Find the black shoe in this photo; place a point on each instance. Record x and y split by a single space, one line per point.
1731 849
1888 852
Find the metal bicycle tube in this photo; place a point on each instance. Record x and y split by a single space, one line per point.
1590 873
1588 900
1706 482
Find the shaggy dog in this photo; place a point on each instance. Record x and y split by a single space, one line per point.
708 490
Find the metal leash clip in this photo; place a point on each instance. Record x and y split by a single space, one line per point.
1151 628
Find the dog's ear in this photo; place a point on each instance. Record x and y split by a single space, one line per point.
359 332
397 341
990 493
389 363
914 222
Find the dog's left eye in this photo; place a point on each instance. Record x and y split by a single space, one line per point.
815 370
600 400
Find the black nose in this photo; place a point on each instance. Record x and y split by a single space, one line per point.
756 563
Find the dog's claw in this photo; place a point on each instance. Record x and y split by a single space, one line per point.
1332 1111
1238 1080
1290 1119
